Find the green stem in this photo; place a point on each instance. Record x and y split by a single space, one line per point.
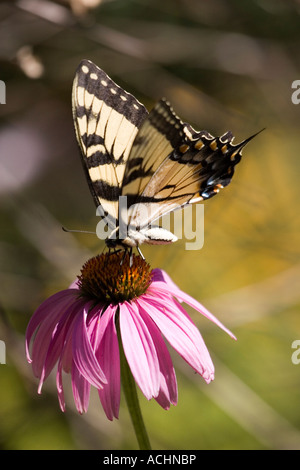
129 388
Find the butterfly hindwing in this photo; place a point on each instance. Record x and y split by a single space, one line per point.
193 168
106 119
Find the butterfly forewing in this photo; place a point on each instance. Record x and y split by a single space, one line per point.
106 119
156 139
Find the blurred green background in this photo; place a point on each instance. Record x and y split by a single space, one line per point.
224 65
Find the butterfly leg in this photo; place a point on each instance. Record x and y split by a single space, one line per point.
115 251
125 253
130 258
140 253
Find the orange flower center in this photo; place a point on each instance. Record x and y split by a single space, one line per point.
110 278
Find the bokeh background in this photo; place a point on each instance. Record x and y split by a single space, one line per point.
223 64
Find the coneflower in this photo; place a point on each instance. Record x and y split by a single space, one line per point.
117 306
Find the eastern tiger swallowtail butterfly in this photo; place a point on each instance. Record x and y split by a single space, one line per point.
155 160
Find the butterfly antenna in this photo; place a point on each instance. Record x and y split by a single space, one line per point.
77 231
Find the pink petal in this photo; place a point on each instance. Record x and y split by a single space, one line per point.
168 383
81 391
60 389
162 276
45 318
163 283
181 333
83 353
62 329
74 285
139 350
109 360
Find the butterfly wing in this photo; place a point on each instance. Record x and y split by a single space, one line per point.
106 120
194 169
156 161
160 133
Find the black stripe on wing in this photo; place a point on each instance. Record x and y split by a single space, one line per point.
105 89
160 133
106 120
211 160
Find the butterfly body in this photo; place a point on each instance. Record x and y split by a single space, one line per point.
153 160
153 236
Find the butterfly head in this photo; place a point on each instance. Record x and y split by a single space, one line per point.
117 239
113 240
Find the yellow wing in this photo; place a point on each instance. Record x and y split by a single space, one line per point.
192 167
106 120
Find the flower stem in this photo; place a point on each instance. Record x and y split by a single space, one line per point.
129 388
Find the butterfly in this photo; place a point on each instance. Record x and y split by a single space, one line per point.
154 161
